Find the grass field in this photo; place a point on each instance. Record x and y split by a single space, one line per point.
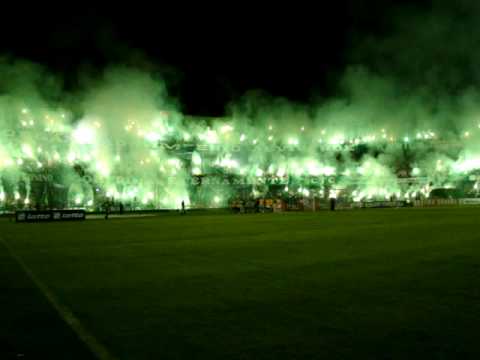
367 284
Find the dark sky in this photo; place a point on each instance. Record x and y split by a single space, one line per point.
209 55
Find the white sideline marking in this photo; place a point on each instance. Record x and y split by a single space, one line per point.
72 321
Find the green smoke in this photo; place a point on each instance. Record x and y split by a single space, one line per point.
404 120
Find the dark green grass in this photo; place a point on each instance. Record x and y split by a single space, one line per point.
373 284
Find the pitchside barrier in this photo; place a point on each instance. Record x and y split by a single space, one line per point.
436 202
50 215
380 204
446 202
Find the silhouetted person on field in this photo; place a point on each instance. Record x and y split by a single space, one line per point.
332 204
107 209
183 207
121 208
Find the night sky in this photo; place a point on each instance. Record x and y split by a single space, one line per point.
209 56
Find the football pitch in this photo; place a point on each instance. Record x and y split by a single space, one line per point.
365 284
